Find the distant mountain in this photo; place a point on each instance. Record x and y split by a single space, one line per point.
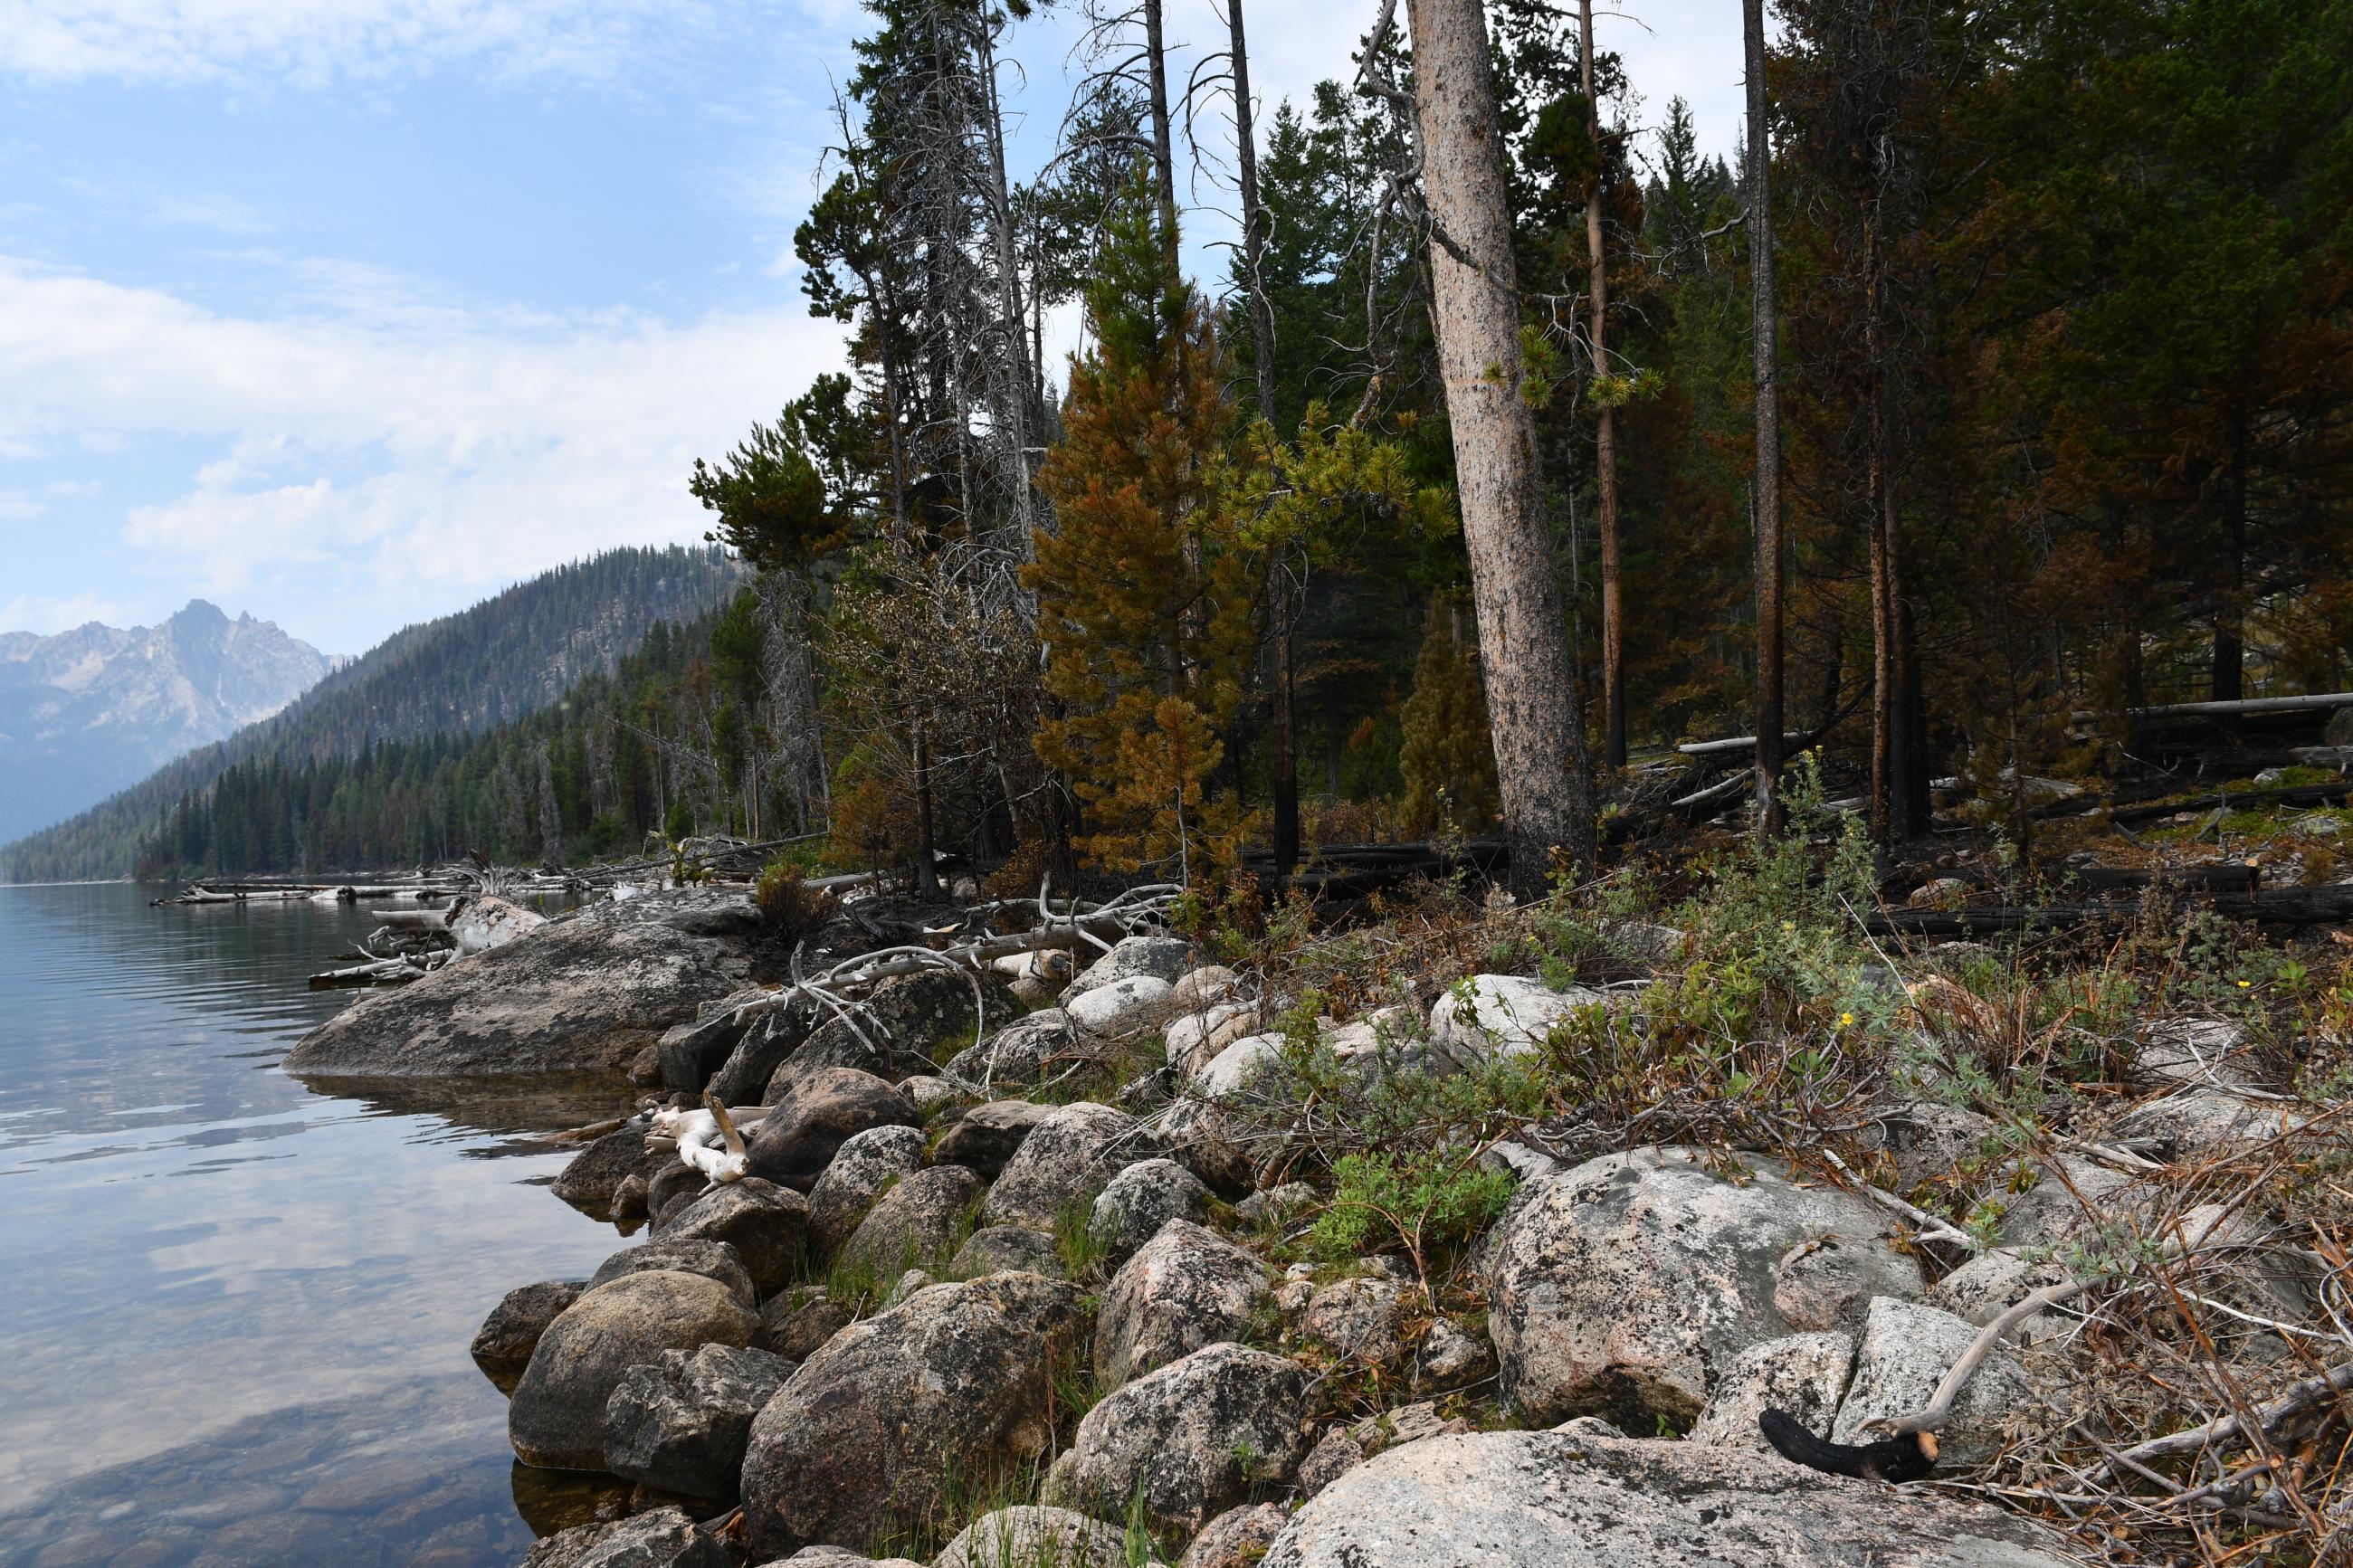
87 712
464 674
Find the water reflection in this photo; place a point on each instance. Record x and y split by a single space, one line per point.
319 1270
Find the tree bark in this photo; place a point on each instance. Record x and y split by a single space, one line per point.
1163 157
2228 682
1764 309
1605 435
1542 769
927 863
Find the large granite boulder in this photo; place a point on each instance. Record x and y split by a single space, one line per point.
1120 1009
1161 958
575 995
1016 1055
1070 1156
503 1345
1185 1288
1803 1375
807 1127
1008 1248
1511 1499
696 1254
1186 1441
862 1168
679 1423
953 1382
1903 1354
1483 1016
1138 1201
986 1137
1033 1537
918 1223
767 1225
556 1420
1623 1285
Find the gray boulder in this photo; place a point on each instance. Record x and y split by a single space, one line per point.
1541 1498
1120 1009
1484 1016
679 1423
1138 1201
985 1137
863 1166
575 995
1904 1352
1993 1283
1162 958
503 1345
1033 1537
955 1380
1335 1455
2072 1199
661 1538
919 1222
1237 1538
556 1419
1016 1055
1070 1156
760 1049
1185 1288
688 1054
1187 1440
1623 1285
767 1225
806 1128
712 1259
795 1323
1362 1319
1804 1375
595 1175
904 1023
1005 1249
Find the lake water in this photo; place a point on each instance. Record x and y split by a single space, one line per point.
234 1313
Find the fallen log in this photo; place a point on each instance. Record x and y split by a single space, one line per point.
2236 708
2287 905
2294 794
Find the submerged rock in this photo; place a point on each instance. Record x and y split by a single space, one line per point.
1544 1498
574 996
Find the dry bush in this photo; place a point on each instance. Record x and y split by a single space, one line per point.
794 909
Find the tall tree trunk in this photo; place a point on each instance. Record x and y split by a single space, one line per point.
1164 156
1278 578
927 865
1883 593
1605 435
2229 675
1764 309
1019 412
1542 766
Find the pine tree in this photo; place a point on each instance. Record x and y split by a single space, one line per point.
1448 761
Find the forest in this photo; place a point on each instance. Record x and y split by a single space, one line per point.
1998 386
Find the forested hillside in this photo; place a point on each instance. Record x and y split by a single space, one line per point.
369 726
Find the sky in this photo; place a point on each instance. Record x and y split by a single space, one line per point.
351 312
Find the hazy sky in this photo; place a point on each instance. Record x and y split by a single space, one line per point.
348 312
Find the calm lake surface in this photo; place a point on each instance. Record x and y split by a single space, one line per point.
234 1313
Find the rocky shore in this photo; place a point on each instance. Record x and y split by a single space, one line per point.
1019 1283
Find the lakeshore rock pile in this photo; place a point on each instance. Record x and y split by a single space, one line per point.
1056 1325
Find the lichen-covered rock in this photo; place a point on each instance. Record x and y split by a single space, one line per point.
1121 1008
920 1221
1187 1440
2074 1196
930 1095
712 1259
1904 1352
795 1323
1361 1318
557 1417
575 995
1335 1455
503 1344
1016 1055
1451 1356
1185 1288
1237 1538
955 1380
985 1137
865 1164
1138 1201
1071 1154
1203 988
1194 1039
1161 958
1541 1498
1003 1248
1828 1282
767 1225
1623 1286
1033 1537
807 1127
679 1423
1991 1283
1484 1016
1804 1375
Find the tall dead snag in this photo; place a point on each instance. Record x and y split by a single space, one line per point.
1543 769
1605 431
1763 307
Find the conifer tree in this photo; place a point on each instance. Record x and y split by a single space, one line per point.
1448 761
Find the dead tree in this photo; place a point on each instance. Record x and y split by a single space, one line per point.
1764 307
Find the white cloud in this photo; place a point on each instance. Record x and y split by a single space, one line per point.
401 446
313 42
48 616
